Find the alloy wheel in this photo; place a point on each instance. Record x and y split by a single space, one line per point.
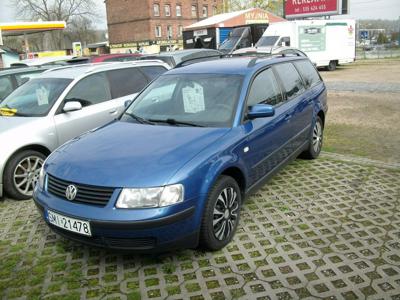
26 174
317 137
225 213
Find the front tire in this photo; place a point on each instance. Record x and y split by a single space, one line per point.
221 214
332 66
316 139
22 173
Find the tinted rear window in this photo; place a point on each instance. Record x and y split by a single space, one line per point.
309 73
291 80
153 71
127 81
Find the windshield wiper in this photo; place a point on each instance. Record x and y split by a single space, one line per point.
139 119
175 122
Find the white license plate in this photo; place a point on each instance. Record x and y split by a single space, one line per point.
70 224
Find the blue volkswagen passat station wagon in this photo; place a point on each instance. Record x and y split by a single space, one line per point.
174 169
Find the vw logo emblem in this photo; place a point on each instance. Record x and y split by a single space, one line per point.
70 192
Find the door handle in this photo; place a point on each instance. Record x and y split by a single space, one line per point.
113 112
287 117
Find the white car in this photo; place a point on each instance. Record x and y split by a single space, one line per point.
57 106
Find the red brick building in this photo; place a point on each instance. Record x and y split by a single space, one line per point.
153 25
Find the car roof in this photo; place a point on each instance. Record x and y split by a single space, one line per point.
17 70
241 65
73 71
181 55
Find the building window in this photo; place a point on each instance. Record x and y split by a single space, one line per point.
179 11
180 30
167 10
158 31
156 9
194 11
169 32
214 10
205 11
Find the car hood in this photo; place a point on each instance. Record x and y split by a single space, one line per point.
124 154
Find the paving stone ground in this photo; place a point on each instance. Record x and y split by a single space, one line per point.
328 228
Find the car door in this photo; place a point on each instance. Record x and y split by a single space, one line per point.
93 92
299 106
266 137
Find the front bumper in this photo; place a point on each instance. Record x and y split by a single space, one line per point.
173 229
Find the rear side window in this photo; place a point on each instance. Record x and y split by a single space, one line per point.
264 90
90 90
291 80
309 73
153 71
126 81
6 86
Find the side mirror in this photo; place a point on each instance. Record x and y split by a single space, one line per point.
260 111
127 103
72 106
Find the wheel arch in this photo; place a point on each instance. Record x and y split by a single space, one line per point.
35 147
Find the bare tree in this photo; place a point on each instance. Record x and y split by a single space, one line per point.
274 6
73 12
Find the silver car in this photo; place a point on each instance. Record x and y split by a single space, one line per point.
57 106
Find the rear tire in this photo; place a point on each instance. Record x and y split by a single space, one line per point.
332 65
221 214
316 139
22 173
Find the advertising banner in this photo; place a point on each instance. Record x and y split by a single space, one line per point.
304 8
312 38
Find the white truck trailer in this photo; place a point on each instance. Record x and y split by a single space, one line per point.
327 43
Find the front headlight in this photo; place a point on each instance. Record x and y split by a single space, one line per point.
150 197
42 176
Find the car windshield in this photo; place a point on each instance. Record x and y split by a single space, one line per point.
206 100
34 98
267 41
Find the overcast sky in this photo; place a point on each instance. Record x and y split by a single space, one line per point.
359 9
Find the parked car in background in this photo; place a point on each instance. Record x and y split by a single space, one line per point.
58 105
41 61
119 57
270 51
183 57
174 169
11 78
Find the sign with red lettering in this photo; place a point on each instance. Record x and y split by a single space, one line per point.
305 8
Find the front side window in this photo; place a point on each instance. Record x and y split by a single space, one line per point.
200 99
291 80
158 31
92 89
153 72
264 89
309 73
194 11
167 10
125 82
36 97
156 10
179 11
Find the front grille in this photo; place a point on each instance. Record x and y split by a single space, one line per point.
86 193
143 243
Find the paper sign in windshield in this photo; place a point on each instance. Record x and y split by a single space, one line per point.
42 96
193 98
